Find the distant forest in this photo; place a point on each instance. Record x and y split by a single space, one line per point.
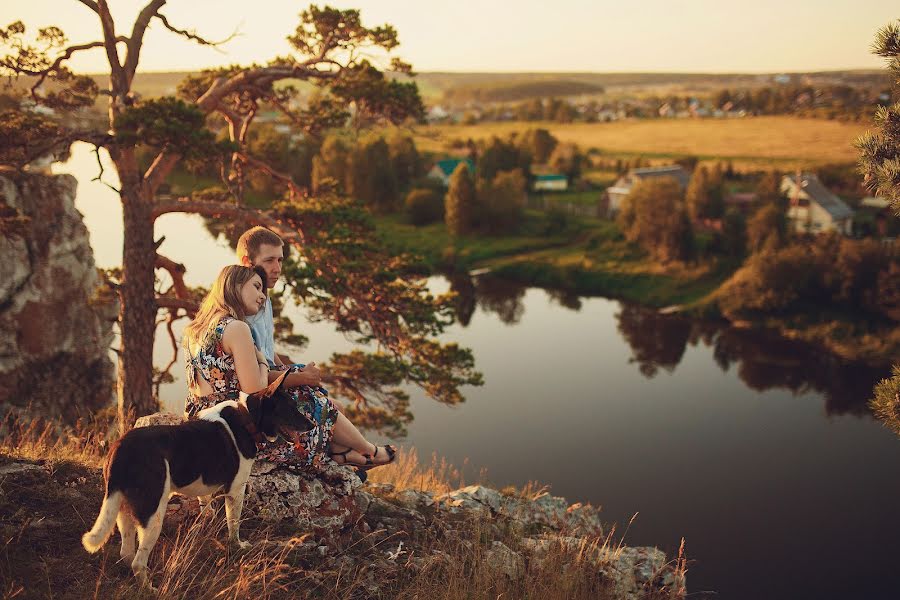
525 90
437 86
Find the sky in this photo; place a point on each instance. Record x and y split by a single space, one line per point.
758 36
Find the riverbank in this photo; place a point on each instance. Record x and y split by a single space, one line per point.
591 257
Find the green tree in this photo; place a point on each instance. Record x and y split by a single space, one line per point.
568 159
654 216
406 163
734 232
370 175
346 278
329 167
704 195
500 203
538 145
499 155
697 194
766 229
773 281
886 401
768 189
880 164
424 206
460 201
880 150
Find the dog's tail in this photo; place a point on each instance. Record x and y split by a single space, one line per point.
94 539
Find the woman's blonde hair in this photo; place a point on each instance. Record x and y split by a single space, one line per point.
224 299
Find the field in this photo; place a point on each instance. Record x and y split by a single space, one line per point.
786 142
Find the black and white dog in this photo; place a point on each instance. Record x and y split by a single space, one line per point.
196 458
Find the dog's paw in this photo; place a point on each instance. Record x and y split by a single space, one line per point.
242 546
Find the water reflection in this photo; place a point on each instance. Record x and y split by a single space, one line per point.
504 298
768 361
763 360
657 341
565 298
464 304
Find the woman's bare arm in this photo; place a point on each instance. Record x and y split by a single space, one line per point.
237 341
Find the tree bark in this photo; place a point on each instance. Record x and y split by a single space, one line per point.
138 308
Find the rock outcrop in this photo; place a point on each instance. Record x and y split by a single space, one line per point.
54 335
513 533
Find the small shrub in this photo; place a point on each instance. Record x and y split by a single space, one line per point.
424 206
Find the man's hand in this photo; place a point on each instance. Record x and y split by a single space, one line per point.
312 374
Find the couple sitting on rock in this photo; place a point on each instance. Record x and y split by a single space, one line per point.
230 348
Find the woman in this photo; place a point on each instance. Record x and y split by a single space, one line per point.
221 362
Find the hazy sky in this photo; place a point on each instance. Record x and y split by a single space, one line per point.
526 35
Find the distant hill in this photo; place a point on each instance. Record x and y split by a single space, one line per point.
511 87
522 90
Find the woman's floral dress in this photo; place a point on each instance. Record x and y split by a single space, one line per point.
308 450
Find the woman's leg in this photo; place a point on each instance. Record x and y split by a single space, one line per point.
345 436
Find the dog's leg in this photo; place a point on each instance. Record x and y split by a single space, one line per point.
147 535
205 504
126 524
234 504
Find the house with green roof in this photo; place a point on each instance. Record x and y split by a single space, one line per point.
443 169
550 182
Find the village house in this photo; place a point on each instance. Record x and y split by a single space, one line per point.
813 208
617 193
443 169
550 182
745 202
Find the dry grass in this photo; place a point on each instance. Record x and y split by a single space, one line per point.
407 473
785 141
44 511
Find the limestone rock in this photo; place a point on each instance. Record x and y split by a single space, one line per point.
545 510
500 558
639 570
325 504
54 333
415 500
159 418
634 572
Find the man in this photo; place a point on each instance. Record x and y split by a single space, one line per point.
263 248
260 247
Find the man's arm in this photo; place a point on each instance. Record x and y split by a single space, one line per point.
310 375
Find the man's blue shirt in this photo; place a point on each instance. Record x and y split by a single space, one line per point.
262 328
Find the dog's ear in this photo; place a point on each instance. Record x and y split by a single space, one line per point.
253 404
272 387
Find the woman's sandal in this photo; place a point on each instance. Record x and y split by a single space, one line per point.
369 464
391 452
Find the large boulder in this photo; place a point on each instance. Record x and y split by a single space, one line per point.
54 333
323 503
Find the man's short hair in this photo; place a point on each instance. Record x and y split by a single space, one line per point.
250 241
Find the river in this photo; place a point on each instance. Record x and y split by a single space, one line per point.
760 452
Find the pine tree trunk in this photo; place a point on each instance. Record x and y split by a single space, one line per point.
137 315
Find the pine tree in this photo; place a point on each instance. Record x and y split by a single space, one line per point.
880 150
697 194
880 163
460 202
330 165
